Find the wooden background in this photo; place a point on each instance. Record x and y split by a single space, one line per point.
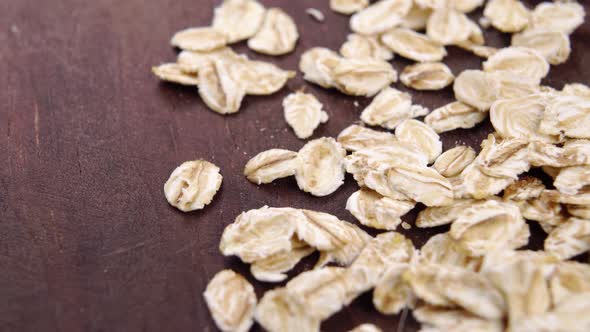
89 136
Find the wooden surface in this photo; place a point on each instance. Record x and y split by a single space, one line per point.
89 136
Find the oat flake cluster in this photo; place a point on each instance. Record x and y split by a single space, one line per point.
476 276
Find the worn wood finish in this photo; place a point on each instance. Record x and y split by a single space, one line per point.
89 136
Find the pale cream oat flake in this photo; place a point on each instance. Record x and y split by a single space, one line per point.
373 210
442 249
520 61
218 89
317 65
418 133
381 158
355 137
316 14
503 158
453 161
321 291
413 45
572 180
360 46
192 185
259 77
422 184
427 76
238 19
366 328
545 154
231 301
363 77
278 311
448 26
465 6
526 188
453 116
380 16
270 165
524 286
476 88
417 18
201 39
277 35
553 45
348 6
507 15
514 86
521 118
385 250
488 226
560 16
274 267
473 183
579 211
304 113
324 231
320 168
581 198
569 239
569 279
567 115
389 108
172 72
260 233
392 293
447 286
576 89
345 254
432 4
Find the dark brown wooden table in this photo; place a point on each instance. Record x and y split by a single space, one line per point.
89 136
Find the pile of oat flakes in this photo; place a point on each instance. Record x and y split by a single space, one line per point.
471 278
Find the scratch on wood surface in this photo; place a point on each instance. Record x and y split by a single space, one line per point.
36 124
402 320
123 250
173 136
186 247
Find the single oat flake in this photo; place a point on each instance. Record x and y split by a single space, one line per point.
231 301
260 233
496 11
559 16
199 39
172 72
363 77
316 14
553 45
427 76
417 18
270 165
422 184
355 137
520 61
570 239
361 46
192 185
380 16
274 267
390 108
303 112
277 35
218 89
348 7
413 45
448 26
453 116
259 77
453 161
320 168
476 88
392 293
425 138
317 65
238 19
373 210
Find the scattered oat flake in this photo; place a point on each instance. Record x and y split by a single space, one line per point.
413 45
250 14
496 12
348 6
231 301
454 115
303 112
448 26
316 14
199 39
270 165
218 89
172 72
277 35
553 45
453 161
380 16
320 169
427 76
361 46
192 185
390 108
363 77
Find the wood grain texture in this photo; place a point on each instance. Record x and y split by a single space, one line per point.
89 136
